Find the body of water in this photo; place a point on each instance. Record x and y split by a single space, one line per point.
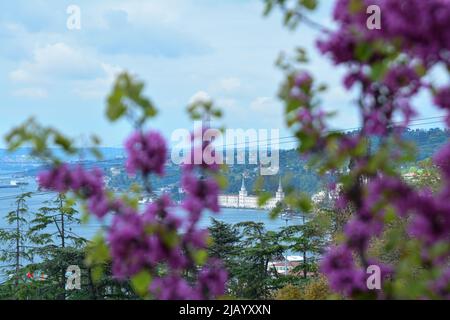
90 229
227 215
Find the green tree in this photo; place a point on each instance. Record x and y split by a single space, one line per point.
310 239
255 280
225 243
51 231
14 240
52 226
44 281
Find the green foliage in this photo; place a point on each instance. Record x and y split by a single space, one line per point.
224 242
317 289
126 99
247 248
52 225
293 10
14 240
97 256
41 139
45 280
309 239
314 289
289 292
396 247
46 237
197 110
425 175
141 282
44 140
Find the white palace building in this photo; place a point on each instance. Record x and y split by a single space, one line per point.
244 201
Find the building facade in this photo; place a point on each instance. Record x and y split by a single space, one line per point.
245 201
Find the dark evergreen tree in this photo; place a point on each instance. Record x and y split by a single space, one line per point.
15 245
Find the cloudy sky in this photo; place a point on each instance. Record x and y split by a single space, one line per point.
178 47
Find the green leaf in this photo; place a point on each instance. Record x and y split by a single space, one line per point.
309 4
363 51
222 181
263 198
63 142
268 8
275 212
115 110
141 282
97 273
97 251
305 205
170 239
200 257
390 216
379 69
356 6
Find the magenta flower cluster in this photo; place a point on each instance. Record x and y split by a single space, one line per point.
425 35
147 153
157 238
308 116
343 275
301 88
202 193
423 38
89 185
420 31
441 287
198 182
429 218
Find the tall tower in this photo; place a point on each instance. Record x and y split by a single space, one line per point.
279 196
242 193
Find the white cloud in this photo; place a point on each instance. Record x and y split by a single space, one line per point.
56 61
229 84
143 13
33 93
200 97
227 104
268 110
19 75
86 75
264 105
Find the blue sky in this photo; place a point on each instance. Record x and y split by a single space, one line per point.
178 47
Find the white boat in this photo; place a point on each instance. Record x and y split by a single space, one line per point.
12 184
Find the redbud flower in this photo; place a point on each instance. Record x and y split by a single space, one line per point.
147 153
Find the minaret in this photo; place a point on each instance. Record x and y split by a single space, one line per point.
242 193
280 193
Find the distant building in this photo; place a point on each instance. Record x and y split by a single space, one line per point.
286 266
245 201
326 196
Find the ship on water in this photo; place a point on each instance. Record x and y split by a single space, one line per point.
13 184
